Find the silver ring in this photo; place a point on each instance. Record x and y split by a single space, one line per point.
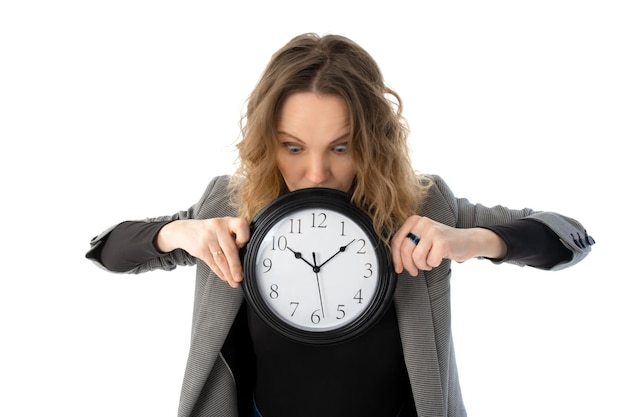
413 238
217 253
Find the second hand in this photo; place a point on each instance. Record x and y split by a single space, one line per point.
316 269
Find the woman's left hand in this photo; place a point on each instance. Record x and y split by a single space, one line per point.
437 242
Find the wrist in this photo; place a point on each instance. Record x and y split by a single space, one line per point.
163 241
490 244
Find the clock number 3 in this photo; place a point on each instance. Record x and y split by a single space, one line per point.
368 268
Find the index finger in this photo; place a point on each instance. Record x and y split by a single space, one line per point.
239 234
400 239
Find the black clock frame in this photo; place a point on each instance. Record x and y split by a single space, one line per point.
316 198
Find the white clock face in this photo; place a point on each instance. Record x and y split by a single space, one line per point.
317 269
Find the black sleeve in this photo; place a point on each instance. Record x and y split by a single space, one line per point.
532 243
130 244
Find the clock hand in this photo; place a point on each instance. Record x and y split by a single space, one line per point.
316 269
341 249
298 255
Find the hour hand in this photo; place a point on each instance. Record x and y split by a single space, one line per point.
298 255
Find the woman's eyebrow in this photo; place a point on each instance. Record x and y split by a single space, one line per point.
282 132
339 139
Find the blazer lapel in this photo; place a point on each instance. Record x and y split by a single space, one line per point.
213 318
418 341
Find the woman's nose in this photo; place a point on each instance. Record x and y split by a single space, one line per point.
317 169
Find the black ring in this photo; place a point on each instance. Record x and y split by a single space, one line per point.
413 238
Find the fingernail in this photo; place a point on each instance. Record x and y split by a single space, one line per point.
238 276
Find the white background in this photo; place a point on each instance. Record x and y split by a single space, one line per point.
114 110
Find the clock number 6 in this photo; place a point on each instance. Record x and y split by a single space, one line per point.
315 317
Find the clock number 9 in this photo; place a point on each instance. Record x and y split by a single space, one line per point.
267 263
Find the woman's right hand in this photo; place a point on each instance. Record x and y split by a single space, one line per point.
214 241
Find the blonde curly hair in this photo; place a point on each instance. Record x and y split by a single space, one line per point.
386 185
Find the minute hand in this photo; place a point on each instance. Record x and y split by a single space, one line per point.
341 249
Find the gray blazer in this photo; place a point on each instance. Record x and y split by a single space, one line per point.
422 304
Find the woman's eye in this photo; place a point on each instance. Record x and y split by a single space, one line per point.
292 147
342 148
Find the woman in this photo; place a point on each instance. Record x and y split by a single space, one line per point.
322 116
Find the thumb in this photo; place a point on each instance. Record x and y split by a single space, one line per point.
241 233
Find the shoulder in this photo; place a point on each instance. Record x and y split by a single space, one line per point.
440 203
216 199
439 187
219 186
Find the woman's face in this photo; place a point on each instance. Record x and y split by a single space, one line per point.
314 142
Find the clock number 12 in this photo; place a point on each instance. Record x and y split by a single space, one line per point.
319 220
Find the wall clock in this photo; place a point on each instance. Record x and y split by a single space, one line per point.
315 271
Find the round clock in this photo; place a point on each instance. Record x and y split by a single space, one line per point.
315 271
